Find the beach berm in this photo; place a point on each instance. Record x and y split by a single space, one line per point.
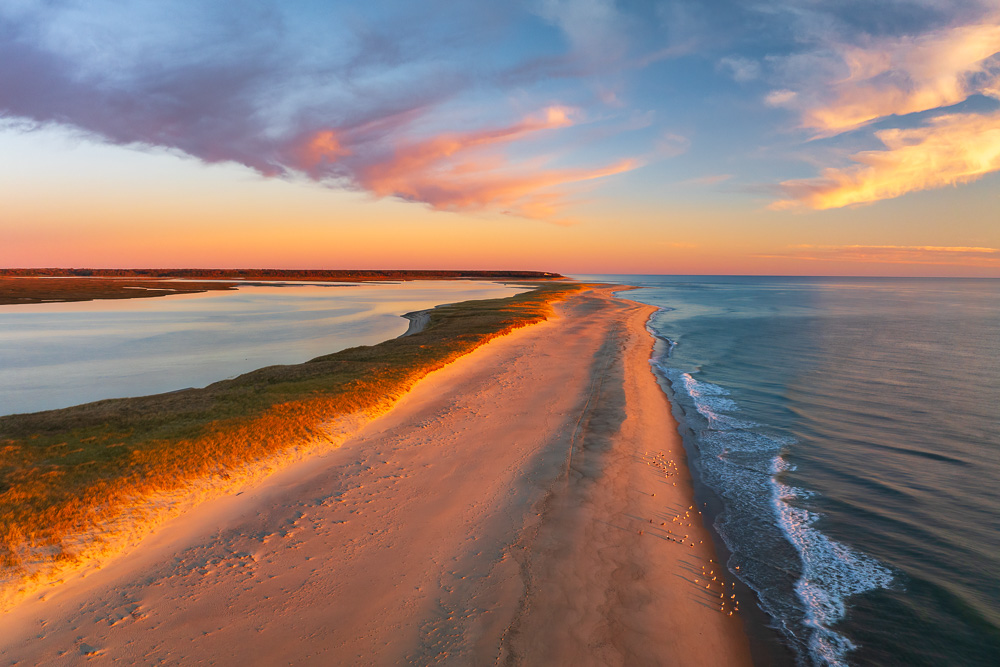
513 507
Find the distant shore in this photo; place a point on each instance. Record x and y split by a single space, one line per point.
528 504
25 286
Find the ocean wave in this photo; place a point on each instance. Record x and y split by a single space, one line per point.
726 444
832 572
744 465
710 400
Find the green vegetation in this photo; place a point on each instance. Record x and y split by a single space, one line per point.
64 472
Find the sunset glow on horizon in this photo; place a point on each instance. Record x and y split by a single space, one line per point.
578 136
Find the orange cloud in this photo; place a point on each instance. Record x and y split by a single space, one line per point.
322 146
452 171
466 171
900 76
896 254
516 192
951 149
410 163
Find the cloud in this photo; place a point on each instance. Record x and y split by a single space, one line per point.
606 42
671 145
854 76
455 171
397 99
840 87
741 69
323 148
595 28
895 254
949 150
780 98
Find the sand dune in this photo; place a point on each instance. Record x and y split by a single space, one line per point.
502 513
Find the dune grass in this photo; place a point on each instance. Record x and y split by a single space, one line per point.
66 472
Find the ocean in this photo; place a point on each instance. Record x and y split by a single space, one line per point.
845 435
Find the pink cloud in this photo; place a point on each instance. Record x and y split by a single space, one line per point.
454 171
322 147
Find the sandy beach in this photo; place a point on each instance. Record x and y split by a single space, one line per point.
529 504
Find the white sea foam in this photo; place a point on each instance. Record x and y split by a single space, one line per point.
831 572
710 401
726 442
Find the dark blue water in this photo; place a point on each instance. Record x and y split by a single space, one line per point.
851 429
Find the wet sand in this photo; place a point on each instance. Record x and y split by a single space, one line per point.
502 513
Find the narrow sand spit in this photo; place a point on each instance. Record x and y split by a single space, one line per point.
419 319
502 513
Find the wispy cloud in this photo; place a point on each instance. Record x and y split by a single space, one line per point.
894 254
454 171
847 82
741 69
671 145
949 150
595 29
892 76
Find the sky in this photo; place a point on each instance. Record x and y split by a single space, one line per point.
808 137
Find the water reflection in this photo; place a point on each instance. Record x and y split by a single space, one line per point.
55 355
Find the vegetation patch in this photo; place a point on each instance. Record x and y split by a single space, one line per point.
65 473
17 290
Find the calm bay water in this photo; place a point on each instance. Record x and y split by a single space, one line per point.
54 355
850 431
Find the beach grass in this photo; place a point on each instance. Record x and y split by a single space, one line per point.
65 473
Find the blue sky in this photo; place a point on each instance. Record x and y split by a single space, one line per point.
766 122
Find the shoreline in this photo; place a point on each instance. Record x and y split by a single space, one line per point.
767 645
418 321
35 286
462 525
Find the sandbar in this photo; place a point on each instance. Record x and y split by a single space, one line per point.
528 504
